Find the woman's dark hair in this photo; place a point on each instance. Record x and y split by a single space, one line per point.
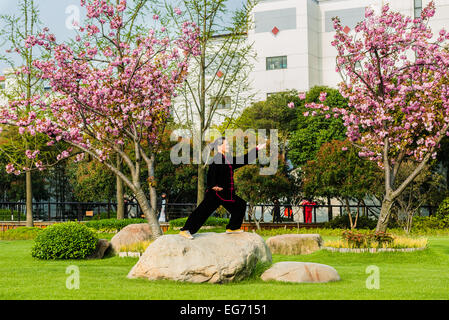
217 142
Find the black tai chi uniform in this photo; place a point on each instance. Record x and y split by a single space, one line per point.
221 174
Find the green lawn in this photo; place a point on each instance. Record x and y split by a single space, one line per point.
403 275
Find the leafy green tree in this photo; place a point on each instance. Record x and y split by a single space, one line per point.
257 189
178 182
339 172
91 181
443 157
273 113
429 187
312 132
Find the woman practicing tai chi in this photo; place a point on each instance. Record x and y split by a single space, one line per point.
220 191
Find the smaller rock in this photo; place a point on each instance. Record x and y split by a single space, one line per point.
292 271
130 234
294 244
102 246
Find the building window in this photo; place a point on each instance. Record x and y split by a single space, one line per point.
417 5
348 17
274 63
283 19
224 103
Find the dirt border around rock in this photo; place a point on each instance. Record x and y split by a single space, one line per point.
371 250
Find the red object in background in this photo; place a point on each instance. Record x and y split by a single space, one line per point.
275 30
308 207
346 29
288 212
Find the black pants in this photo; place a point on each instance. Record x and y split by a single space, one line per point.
210 203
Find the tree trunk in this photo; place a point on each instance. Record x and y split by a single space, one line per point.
251 210
384 215
201 184
348 209
120 200
152 188
149 213
329 209
29 200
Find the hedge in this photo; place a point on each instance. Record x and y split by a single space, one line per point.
112 225
211 221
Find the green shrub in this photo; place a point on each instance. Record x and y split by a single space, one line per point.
211 221
430 223
363 222
363 240
381 237
112 225
69 240
342 222
5 215
278 231
443 209
21 233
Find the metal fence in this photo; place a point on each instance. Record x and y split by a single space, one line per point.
81 211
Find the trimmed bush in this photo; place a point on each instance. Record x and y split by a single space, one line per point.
430 223
21 233
364 240
112 225
342 222
69 240
211 221
363 222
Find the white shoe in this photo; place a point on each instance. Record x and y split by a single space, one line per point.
186 234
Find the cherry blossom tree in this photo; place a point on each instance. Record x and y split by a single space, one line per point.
113 88
24 148
396 82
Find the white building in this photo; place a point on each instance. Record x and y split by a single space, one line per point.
292 39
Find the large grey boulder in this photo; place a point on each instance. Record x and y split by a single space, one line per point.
292 271
209 257
130 234
293 244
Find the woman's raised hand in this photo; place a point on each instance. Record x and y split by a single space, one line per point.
261 146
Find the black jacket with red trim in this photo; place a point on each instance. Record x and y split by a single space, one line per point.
221 173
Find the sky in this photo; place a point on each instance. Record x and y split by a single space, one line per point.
57 15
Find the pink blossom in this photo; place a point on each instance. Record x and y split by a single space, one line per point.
323 96
9 168
102 103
